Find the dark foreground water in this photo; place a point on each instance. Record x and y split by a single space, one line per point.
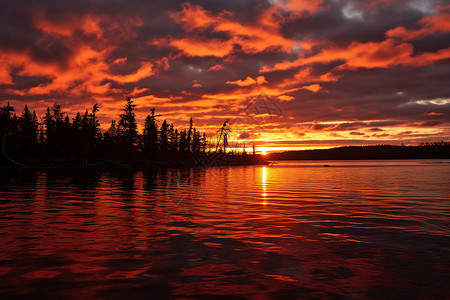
354 230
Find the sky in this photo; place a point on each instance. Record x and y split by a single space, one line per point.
287 74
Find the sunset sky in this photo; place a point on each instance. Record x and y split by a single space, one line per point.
328 72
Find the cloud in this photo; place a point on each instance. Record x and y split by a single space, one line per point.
313 88
197 47
429 25
216 68
249 81
301 6
249 38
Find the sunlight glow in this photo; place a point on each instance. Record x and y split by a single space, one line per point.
264 178
264 151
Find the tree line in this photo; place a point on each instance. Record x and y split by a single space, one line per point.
56 135
428 150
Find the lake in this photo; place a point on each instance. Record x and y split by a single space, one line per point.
293 229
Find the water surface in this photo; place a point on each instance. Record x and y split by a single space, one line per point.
296 229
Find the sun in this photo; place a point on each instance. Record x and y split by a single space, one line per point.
263 151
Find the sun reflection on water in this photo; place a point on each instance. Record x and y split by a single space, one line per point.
264 185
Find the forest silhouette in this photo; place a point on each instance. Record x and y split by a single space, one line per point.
58 139
426 150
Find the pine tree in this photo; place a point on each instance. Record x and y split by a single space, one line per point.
28 131
150 136
196 144
183 146
6 119
50 128
164 137
93 130
204 143
128 126
189 135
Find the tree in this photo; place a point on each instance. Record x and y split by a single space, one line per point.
111 137
196 141
28 131
94 135
183 145
150 136
204 143
189 135
128 126
222 135
55 130
175 139
164 137
6 119
50 128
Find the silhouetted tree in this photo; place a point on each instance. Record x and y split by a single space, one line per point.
189 134
128 127
222 135
6 119
150 136
28 132
50 128
183 144
91 130
175 139
196 141
164 137
55 130
111 138
204 142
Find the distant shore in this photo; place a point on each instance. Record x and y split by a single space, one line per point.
440 150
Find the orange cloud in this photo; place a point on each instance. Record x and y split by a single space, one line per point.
313 88
249 81
426 58
88 24
430 25
216 68
434 114
86 73
146 70
5 78
201 48
85 69
367 55
305 75
193 17
250 38
301 6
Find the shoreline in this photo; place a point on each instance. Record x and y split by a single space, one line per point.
200 161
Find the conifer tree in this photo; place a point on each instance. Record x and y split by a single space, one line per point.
6 120
28 131
163 137
127 128
150 136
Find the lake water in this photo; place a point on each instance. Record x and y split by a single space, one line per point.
297 229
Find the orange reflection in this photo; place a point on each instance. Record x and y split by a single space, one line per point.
264 184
